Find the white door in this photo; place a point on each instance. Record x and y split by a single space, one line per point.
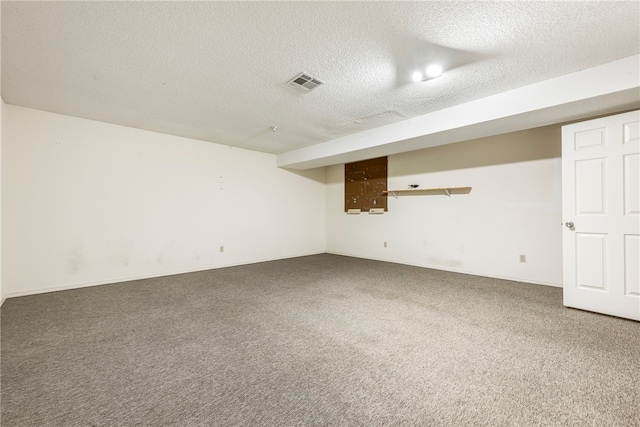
601 213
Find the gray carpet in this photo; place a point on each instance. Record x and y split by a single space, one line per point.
316 341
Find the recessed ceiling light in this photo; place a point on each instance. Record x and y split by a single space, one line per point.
431 72
434 70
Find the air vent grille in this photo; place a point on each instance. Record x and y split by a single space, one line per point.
304 82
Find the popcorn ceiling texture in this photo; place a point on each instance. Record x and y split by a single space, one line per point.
216 71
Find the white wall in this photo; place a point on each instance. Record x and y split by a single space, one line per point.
514 208
87 203
1 105
1 130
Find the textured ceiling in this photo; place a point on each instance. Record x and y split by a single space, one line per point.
217 71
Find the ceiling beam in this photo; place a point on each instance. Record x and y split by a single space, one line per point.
607 88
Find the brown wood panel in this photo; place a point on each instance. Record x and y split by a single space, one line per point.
364 184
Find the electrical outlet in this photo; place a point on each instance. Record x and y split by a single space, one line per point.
221 248
523 258
385 244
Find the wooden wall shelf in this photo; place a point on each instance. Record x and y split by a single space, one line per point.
446 191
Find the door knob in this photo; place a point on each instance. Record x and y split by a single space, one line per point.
568 224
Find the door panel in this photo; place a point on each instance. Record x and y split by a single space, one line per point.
631 132
631 257
590 138
601 209
632 184
591 261
591 187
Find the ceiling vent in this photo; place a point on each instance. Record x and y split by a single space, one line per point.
304 82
